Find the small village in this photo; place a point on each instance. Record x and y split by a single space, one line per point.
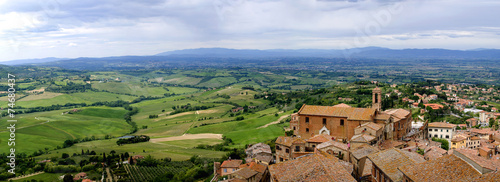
344 143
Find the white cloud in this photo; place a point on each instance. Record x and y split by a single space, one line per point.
57 28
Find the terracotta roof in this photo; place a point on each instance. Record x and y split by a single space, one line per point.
339 145
261 168
435 153
245 173
387 144
484 131
390 160
373 126
434 106
382 116
441 125
257 148
313 167
351 113
398 113
491 176
437 149
471 119
481 161
458 138
367 170
233 163
363 138
363 151
448 168
320 138
288 141
341 105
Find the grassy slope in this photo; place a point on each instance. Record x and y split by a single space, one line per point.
33 132
177 150
82 97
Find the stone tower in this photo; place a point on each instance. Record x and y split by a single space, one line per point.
377 99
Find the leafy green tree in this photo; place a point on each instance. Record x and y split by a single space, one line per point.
444 143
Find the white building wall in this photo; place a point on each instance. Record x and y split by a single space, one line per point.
444 133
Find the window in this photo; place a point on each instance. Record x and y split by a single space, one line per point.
287 151
430 129
281 159
307 119
225 170
435 129
297 148
233 169
307 130
446 130
294 128
436 136
430 136
441 136
441 130
447 136
324 121
278 147
341 122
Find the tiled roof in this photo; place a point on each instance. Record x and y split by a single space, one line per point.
245 173
491 176
313 167
434 106
439 150
390 160
341 105
288 141
481 161
484 131
434 153
351 113
382 116
339 145
441 125
232 163
472 119
363 138
387 144
367 170
261 168
320 138
398 113
373 126
458 138
448 168
363 151
259 147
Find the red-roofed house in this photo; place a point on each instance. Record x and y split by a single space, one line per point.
229 166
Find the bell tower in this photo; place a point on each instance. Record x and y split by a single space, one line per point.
377 99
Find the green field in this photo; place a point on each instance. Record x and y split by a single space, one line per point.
61 99
177 150
37 131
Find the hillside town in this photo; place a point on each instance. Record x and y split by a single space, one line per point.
345 143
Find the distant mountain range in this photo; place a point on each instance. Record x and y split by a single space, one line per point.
366 52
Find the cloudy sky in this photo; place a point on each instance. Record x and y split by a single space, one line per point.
98 28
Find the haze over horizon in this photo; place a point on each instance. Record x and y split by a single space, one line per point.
69 29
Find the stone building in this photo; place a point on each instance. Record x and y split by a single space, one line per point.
340 121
